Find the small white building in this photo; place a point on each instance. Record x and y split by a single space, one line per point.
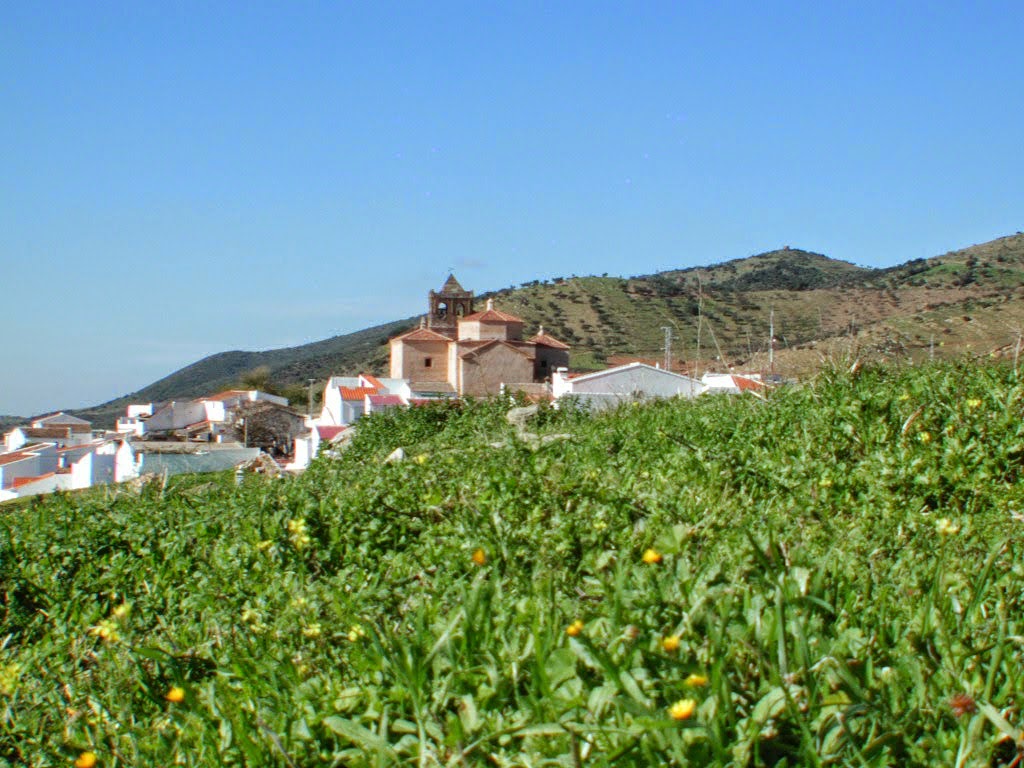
345 397
622 383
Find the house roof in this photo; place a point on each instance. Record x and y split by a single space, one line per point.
61 418
543 340
746 384
13 456
329 433
20 481
630 366
64 431
356 393
372 380
226 395
422 334
385 400
492 316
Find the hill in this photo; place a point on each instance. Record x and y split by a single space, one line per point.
969 300
830 577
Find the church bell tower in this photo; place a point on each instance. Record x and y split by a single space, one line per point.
447 306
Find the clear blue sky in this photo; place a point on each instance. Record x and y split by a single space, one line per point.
179 179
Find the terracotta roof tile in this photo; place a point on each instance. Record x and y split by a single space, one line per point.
356 393
10 458
422 334
20 481
329 433
542 339
492 316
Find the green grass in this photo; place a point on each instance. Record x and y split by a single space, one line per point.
841 566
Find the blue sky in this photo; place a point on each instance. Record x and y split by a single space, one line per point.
179 179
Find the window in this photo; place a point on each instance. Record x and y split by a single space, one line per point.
428 362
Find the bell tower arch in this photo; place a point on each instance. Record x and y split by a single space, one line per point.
447 306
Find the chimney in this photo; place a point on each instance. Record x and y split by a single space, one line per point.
490 304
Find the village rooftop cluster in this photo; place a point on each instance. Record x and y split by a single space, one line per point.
455 352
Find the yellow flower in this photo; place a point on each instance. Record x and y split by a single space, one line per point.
696 681
312 631
263 546
9 674
355 632
106 630
575 628
122 611
421 459
925 437
652 556
974 402
297 533
670 643
946 527
479 557
86 760
682 709
176 695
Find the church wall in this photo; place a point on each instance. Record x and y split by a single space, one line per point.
475 330
548 361
413 359
486 372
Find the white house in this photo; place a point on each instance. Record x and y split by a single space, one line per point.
44 468
205 416
307 446
345 397
623 383
30 462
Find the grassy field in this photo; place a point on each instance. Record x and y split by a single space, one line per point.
831 577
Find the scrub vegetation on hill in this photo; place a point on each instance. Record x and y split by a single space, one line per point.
833 576
967 301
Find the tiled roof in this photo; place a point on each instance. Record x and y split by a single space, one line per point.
10 458
329 433
356 393
372 380
542 339
226 395
20 481
385 400
60 418
492 316
745 384
46 431
422 334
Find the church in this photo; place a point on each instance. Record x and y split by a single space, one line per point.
459 351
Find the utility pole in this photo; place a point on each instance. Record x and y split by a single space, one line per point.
771 341
668 346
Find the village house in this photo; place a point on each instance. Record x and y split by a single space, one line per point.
45 467
623 383
206 419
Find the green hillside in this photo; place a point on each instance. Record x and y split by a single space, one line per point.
719 316
830 577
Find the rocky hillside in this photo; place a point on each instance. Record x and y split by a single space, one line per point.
970 300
